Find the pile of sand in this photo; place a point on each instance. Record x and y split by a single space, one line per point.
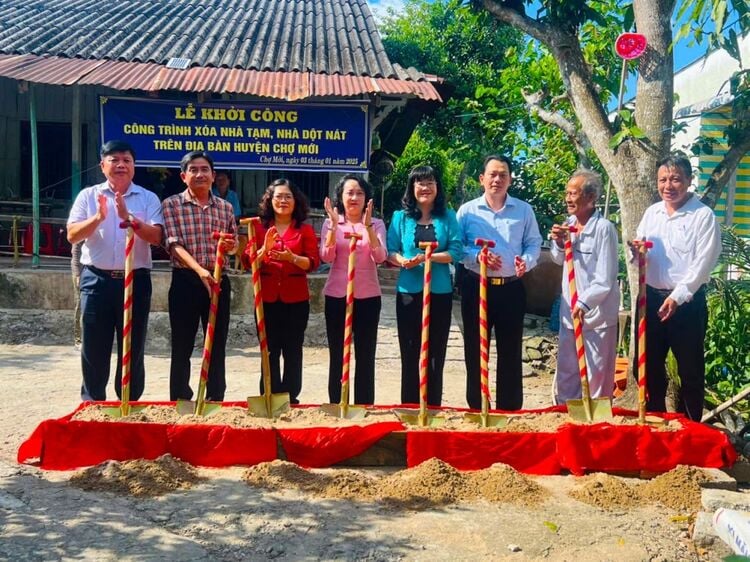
431 483
141 478
678 489
606 491
234 416
283 475
502 483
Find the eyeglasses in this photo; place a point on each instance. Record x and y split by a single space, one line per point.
429 184
284 197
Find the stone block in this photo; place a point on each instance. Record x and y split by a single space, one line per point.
713 499
740 471
720 480
703 532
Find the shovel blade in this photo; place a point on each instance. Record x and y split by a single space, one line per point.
414 419
489 420
258 406
344 412
593 409
116 411
187 407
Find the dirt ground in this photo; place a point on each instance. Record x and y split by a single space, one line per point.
44 517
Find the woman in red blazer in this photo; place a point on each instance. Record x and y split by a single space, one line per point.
288 250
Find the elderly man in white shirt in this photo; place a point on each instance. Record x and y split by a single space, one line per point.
595 262
686 246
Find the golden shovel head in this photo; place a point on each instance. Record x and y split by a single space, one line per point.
412 417
188 408
116 411
259 405
487 420
344 411
588 410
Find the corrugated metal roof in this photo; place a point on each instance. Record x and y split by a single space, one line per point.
305 36
151 77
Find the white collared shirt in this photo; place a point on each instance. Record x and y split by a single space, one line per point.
595 260
686 247
105 248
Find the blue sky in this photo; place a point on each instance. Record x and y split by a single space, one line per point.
684 54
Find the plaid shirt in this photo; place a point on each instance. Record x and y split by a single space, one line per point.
188 224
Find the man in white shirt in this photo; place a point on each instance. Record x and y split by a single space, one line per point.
511 224
95 219
596 262
686 246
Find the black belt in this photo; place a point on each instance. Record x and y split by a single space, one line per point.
666 292
115 273
496 281
662 292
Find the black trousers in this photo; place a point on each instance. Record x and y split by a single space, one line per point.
101 317
684 333
365 340
285 329
409 321
506 306
188 304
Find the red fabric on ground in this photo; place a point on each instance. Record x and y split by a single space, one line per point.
600 447
607 448
532 453
63 444
217 446
697 444
317 447
66 445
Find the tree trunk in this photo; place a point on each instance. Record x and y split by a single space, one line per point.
631 166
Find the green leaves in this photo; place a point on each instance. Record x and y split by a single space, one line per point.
716 21
727 345
628 129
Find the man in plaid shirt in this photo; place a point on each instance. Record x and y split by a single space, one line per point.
190 218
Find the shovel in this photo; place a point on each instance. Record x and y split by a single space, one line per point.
585 409
643 246
423 419
269 405
201 407
125 408
343 409
485 419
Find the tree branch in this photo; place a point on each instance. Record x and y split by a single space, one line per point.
578 138
518 19
575 73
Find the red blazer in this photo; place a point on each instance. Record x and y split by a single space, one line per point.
281 280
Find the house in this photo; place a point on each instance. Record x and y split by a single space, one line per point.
704 109
307 83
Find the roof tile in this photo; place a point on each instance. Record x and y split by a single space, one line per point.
318 36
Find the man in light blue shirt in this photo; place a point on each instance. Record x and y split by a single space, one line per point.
510 223
221 189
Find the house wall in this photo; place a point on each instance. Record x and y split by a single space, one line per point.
702 90
55 103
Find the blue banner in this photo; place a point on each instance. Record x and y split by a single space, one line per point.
306 136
